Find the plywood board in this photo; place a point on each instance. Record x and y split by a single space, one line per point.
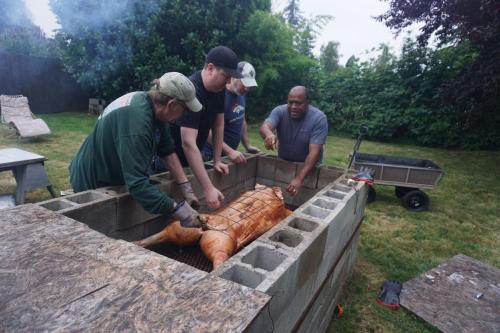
460 295
57 274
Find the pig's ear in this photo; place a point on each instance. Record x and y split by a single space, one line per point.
277 192
259 186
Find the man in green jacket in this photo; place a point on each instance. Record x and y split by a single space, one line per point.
128 133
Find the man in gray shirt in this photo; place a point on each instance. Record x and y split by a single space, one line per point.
302 130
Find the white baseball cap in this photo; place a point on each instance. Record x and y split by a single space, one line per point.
248 74
178 86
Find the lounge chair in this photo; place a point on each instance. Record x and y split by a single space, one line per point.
15 111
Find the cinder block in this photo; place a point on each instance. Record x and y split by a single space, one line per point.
311 180
249 184
264 258
94 208
130 212
303 196
285 171
244 276
314 212
265 181
222 182
133 233
248 170
156 225
266 166
327 175
57 204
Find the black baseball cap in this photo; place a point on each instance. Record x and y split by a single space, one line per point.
224 58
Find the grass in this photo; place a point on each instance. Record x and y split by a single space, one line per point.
464 216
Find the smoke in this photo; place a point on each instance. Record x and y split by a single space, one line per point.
97 15
14 15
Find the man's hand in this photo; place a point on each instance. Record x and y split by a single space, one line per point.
188 217
294 186
213 198
236 157
221 168
253 150
270 142
188 194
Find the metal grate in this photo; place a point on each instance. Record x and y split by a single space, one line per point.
193 255
189 255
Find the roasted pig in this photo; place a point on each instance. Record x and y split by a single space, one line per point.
229 228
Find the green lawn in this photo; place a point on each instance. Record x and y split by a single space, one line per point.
464 216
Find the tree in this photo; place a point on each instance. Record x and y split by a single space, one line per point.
113 47
465 24
14 14
19 35
292 13
268 42
329 57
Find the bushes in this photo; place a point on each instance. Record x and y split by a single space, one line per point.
405 98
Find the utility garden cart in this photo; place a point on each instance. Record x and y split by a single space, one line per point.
408 175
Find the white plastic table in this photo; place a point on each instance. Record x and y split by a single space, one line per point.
28 170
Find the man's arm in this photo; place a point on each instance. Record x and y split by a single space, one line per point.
309 164
173 163
267 133
233 154
246 141
217 141
213 197
134 155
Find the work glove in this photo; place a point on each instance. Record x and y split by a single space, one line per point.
188 217
365 175
189 196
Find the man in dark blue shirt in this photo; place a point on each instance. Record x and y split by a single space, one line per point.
190 131
235 126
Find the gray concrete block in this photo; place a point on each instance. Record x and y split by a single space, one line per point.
303 196
128 210
155 225
265 181
243 275
311 180
248 170
266 166
222 182
328 174
136 232
285 171
57 204
320 314
94 208
263 257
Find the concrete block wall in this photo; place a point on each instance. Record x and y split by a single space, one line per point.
96 208
114 212
292 260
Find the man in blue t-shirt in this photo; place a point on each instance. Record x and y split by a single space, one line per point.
235 125
302 130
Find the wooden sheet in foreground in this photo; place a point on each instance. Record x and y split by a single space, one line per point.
58 274
460 295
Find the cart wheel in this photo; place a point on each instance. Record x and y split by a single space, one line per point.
415 200
372 195
400 191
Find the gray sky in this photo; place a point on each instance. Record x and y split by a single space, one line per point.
352 26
